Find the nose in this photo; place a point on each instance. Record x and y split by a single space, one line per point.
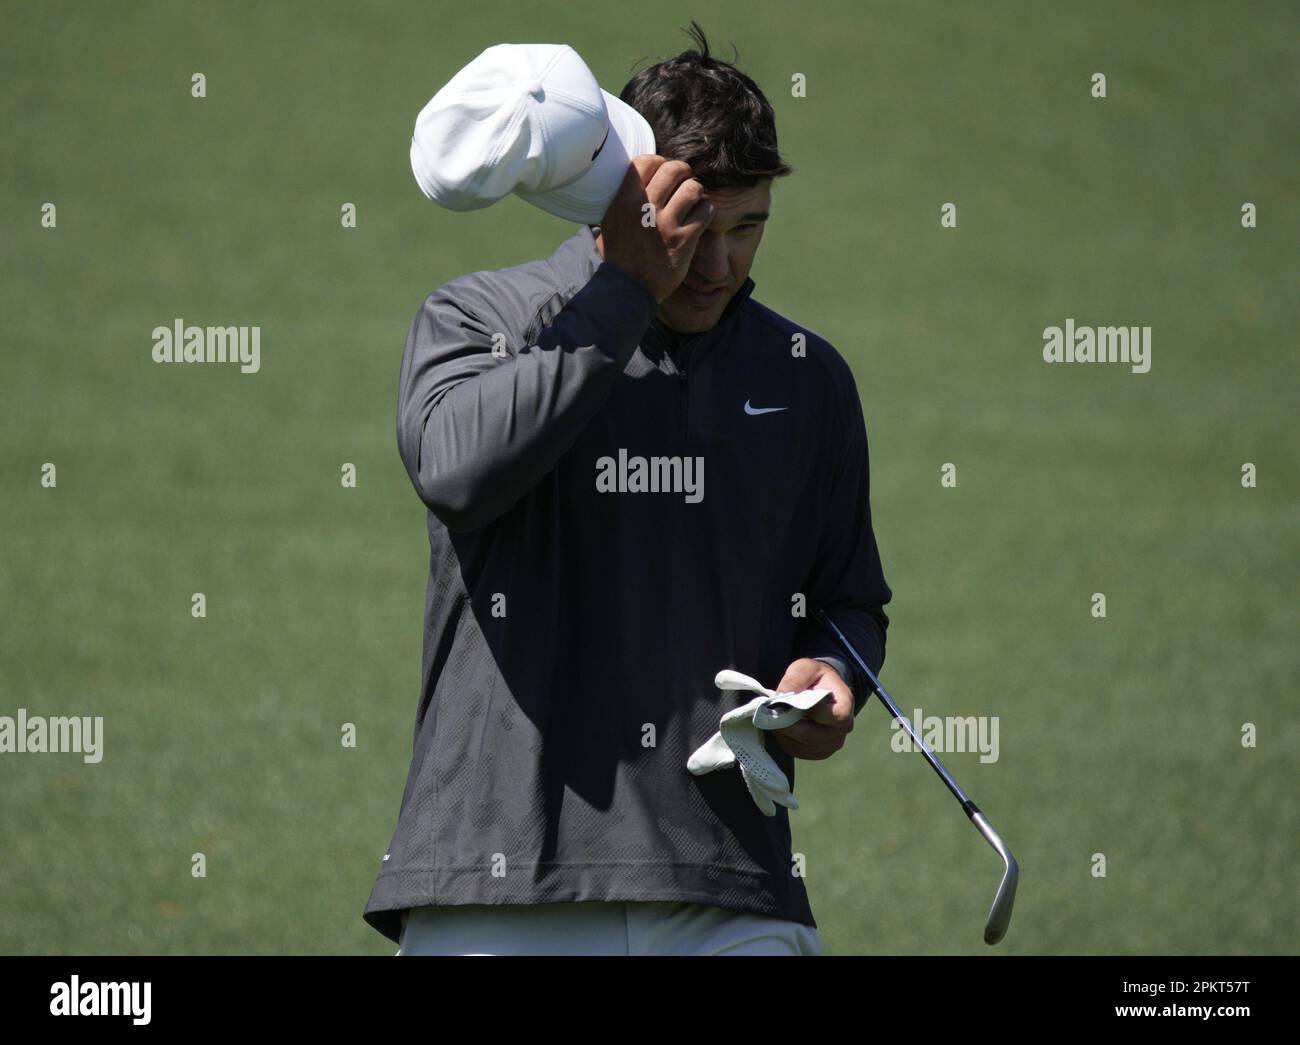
710 263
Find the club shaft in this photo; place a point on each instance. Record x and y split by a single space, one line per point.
970 808
1000 913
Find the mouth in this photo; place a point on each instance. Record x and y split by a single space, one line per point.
703 297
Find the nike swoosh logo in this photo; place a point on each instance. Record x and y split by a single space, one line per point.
754 411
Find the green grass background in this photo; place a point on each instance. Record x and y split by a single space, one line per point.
1119 737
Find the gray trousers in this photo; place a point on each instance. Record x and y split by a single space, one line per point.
601 928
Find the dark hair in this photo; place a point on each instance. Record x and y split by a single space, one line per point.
711 115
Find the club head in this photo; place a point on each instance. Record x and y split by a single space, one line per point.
1005 900
1000 913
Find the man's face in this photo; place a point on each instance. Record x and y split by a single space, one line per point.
723 258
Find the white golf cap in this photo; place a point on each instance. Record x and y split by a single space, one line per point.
529 119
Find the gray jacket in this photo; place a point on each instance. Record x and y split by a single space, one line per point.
615 513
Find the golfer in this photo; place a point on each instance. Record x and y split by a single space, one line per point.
636 475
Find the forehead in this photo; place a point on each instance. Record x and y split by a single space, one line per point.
735 203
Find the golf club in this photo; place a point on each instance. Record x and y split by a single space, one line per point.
1000 913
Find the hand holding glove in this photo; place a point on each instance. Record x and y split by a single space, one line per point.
740 739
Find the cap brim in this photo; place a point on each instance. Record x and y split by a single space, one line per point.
586 199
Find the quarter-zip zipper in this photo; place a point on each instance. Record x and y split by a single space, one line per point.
684 384
703 344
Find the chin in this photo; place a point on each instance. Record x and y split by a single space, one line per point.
691 324
687 320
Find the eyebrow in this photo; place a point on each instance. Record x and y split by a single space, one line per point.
758 215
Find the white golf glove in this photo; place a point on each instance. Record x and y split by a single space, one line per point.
740 738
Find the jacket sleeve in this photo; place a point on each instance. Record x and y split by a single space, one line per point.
478 429
846 578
